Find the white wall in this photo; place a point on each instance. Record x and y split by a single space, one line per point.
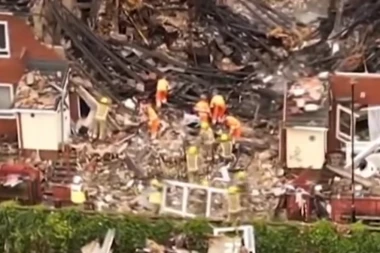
39 132
305 148
66 124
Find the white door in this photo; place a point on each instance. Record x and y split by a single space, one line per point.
305 147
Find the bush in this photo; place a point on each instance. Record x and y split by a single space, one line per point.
38 230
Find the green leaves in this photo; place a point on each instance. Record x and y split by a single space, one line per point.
67 230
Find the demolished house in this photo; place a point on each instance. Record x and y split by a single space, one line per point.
22 53
266 70
116 171
38 101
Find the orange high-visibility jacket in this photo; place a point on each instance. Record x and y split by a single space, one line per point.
217 100
232 122
162 85
202 106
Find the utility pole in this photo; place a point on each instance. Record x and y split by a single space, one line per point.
353 209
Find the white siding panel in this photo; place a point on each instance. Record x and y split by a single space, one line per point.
305 148
67 120
66 126
39 132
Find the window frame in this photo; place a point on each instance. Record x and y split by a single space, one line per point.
6 50
8 113
340 135
248 236
186 187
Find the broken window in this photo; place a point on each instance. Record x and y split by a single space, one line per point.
4 40
361 125
246 233
84 109
344 124
192 200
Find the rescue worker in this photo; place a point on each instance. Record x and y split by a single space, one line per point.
234 126
103 108
207 139
203 109
77 195
162 91
233 202
155 196
153 121
225 147
240 177
192 163
218 107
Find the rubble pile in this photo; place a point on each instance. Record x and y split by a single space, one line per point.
246 50
117 171
348 45
307 95
202 46
38 91
195 47
199 47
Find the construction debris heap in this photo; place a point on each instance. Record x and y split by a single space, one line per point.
179 101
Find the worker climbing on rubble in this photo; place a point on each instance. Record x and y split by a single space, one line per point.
192 163
155 196
153 120
162 92
77 195
234 126
207 139
233 202
218 107
203 109
101 115
225 147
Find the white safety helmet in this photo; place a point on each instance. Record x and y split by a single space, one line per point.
77 179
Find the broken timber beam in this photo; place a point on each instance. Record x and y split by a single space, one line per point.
347 174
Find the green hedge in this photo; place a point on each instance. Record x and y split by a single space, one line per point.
37 230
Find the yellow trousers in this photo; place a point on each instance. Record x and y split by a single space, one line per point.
99 129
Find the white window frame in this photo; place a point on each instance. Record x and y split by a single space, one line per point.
6 50
8 113
185 198
346 140
248 237
340 135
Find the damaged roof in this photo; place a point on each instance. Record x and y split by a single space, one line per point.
37 91
41 87
307 103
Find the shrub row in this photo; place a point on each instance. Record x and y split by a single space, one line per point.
65 231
